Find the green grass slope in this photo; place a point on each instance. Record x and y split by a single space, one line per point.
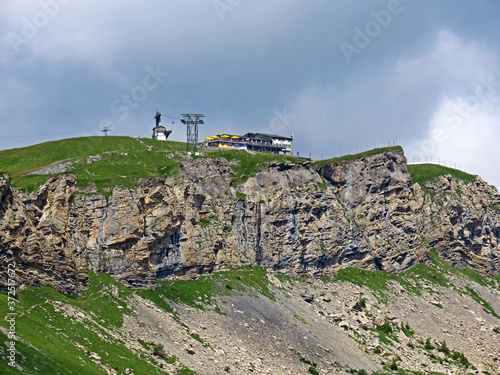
51 341
421 173
125 159
439 274
250 280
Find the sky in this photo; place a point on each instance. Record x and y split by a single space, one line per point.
342 76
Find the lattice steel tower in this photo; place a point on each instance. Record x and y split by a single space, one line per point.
192 121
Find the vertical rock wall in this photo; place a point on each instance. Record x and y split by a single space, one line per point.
292 218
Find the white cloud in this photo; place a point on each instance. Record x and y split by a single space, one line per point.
465 125
441 103
448 64
464 137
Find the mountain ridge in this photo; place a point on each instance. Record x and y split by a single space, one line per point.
287 215
229 262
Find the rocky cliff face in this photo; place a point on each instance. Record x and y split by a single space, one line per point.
295 218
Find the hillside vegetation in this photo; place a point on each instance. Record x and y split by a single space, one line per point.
109 329
124 160
421 173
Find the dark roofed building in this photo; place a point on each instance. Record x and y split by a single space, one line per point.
260 142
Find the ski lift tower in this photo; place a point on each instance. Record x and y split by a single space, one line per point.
192 121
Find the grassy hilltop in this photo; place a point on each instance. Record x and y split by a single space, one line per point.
126 159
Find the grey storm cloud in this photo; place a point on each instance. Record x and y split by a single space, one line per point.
341 76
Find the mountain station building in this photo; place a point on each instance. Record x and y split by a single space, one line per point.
260 142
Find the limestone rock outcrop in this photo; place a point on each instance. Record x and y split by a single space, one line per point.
300 218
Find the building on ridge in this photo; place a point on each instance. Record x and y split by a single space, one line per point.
160 132
259 142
